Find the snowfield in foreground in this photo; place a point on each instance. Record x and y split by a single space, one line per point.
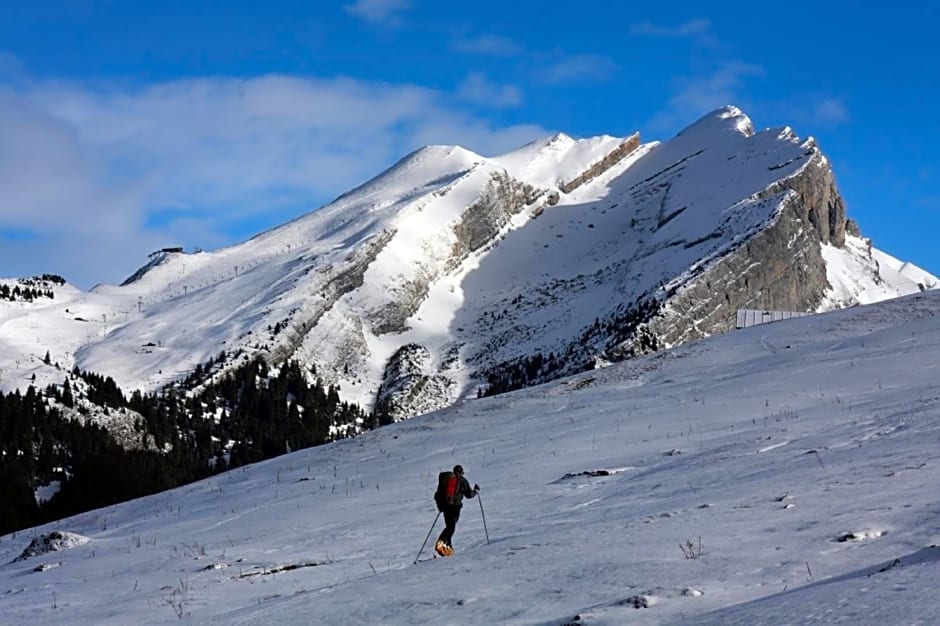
786 473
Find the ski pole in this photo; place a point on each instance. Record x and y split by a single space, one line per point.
483 515
426 538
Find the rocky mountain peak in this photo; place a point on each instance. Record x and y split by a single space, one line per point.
727 119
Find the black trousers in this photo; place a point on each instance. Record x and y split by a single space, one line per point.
451 515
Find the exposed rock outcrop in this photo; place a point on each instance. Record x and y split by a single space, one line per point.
410 385
501 199
818 196
779 267
339 282
54 541
616 155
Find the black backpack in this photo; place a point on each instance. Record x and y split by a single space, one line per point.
448 490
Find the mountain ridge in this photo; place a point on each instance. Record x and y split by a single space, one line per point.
427 283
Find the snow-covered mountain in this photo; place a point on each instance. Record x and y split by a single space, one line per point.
451 273
780 474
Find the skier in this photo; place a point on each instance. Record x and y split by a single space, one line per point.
452 488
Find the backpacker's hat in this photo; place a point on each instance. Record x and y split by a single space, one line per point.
458 469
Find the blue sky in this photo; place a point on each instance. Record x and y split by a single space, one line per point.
126 127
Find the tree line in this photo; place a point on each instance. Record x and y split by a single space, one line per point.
253 413
25 294
30 289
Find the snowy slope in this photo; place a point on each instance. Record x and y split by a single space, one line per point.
384 266
611 241
799 458
857 277
555 160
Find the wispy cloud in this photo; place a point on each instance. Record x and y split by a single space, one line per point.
831 112
489 45
699 29
478 89
385 12
10 65
698 95
931 203
124 170
813 112
579 68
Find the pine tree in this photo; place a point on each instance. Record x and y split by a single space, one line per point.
67 398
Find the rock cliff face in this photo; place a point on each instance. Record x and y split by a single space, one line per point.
502 198
817 194
779 267
410 385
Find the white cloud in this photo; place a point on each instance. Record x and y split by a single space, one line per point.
490 45
120 171
477 89
69 220
696 96
698 29
831 112
386 12
812 112
580 68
